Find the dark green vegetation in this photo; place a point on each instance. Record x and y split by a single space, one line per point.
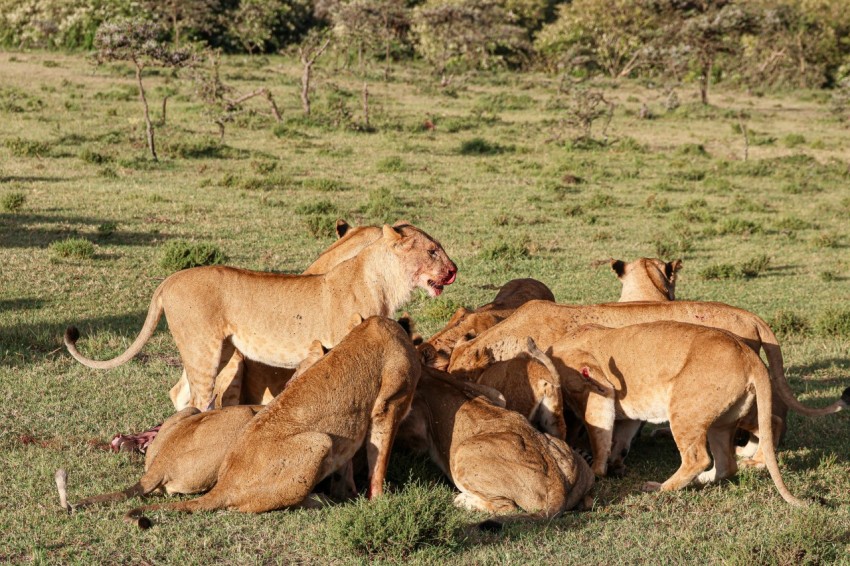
267 196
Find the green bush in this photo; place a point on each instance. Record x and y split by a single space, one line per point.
316 207
78 248
180 254
20 147
738 226
833 323
788 322
90 156
793 140
747 269
13 201
396 525
480 146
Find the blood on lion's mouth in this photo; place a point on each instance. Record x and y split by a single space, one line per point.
436 287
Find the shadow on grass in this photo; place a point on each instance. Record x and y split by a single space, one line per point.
16 231
22 342
30 179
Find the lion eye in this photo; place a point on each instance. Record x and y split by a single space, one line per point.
432 253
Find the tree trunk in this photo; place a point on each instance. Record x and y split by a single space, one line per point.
703 81
305 87
148 124
164 106
366 106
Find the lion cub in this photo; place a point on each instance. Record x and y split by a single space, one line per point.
702 380
494 457
357 394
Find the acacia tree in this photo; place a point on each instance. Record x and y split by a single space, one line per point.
313 46
371 25
137 41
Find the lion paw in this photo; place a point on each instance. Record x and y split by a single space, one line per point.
650 486
751 464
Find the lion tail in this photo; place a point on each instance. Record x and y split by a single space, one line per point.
777 377
154 314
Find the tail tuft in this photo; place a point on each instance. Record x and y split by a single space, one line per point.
144 523
72 334
845 397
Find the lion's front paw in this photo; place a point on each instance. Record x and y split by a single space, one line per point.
650 486
751 464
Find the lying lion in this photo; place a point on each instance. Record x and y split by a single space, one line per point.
702 380
494 457
185 455
357 394
466 324
546 322
272 318
647 279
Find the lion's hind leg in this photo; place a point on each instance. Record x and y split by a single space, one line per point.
695 459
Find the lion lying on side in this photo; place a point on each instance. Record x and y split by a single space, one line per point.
494 457
702 380
273 318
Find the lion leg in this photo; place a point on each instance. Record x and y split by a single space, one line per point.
228 383
472 502
757 460
379 441
599 418
180 395
695 458
202 366
720 442
623 435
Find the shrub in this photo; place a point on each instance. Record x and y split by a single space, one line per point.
833 323
602 200
506 252
480 146
324 185
788 322
20 147
74 247
745 270
754 266
180 254
392 164
321 225
793 140
738 226
12 202
317 207
383 204
89 156
398 524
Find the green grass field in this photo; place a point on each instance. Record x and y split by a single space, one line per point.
505 202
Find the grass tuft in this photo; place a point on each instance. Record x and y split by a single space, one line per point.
789 322
833 323
480 146
14 201
506 252
397 525
383 205
747 269
20 147
76 248
180 254
393 164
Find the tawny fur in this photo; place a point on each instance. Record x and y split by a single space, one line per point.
186 454
647 279
546 322
466 324
356 395
246 382
273 318
701 380
494 457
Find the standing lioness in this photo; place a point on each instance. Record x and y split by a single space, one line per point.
273 318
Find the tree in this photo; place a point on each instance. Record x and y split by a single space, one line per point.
138 41
180 15
467 34
372 25
262 25
313 46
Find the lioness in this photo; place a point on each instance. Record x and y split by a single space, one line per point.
185 455
659 372
494 457
546 322
272 318
356 394
530 385
468 324
647 279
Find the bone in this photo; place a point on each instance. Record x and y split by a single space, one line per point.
61 477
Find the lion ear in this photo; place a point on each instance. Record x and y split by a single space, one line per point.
342 228
390 234
619 267
459 314
671 268
354 321
477 390
427 353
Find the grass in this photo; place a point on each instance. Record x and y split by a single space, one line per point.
538 209
73 248
13 201
180 254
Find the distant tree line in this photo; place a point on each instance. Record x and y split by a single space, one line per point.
756 43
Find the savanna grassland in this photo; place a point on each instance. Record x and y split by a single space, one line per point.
484 166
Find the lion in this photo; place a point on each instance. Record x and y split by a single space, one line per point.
702 380
183 458
647 279
546 322
272 318
354 396
246 382
494 457
466 324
